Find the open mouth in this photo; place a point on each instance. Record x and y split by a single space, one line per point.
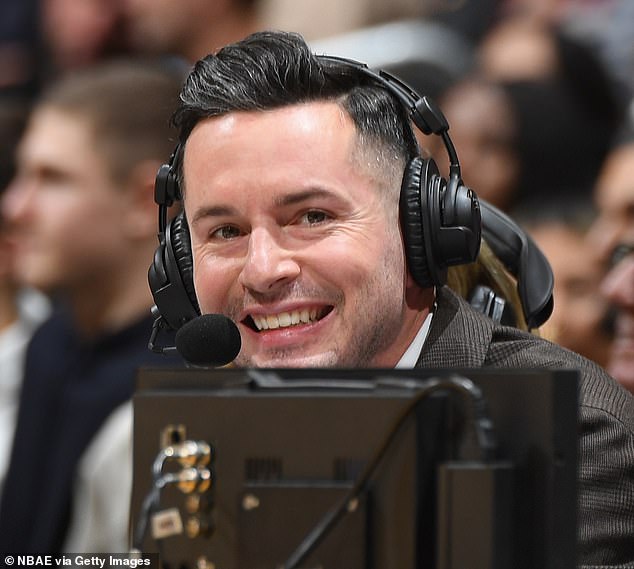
262 322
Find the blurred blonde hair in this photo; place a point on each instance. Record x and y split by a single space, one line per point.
490 271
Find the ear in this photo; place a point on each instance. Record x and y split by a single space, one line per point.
139 219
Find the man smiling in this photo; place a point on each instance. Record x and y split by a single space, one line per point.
291 252
313 223
612 237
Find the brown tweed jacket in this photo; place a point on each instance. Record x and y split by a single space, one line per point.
461 337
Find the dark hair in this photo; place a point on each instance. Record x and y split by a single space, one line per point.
14 112
269 70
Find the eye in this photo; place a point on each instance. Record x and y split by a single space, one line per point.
226 232
313 217
620 252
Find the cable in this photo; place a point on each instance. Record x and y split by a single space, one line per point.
484 434
150 502
193 455
482 424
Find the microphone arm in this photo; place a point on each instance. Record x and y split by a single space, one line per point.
158 326
209 340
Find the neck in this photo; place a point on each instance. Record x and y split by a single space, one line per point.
111 302
418 305
108 314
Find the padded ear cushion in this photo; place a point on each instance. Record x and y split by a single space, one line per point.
170 275
182 249
421 177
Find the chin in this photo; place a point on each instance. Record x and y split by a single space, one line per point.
289 361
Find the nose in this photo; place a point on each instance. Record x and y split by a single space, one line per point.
15 202
268 266
618 285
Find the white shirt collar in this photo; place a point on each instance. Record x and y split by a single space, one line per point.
410 357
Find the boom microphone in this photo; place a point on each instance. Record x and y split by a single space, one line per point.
210 340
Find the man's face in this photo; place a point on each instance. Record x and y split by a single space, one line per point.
61 207
293 240
618 286
483 130
614 196
578 321
614 226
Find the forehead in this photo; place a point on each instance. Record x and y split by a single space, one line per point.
53 134
615 186
316 119
302 138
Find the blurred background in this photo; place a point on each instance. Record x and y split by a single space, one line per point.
538 95
537 92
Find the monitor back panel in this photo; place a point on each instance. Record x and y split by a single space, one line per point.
283 457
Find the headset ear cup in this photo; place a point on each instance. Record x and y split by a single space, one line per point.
182 250
419 202
171 275
459 233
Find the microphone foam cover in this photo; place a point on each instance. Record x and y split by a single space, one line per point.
209 340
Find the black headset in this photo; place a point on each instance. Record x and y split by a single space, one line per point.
440 219
525 261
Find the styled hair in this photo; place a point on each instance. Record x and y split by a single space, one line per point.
270 70
128 104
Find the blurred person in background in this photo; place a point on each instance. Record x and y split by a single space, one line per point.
188 29
519 48
83 220
484 127
21 308
79 33
520 128
581 320
618 287
606 25
18 47
612 237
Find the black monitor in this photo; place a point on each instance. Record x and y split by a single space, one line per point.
363 469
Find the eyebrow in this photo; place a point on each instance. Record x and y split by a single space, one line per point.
299 197
213 211
281 201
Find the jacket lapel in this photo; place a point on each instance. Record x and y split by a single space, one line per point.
459 337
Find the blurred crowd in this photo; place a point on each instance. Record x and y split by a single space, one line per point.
539 98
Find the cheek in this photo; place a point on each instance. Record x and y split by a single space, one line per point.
77 210
89 228
214 282
380 260
350 263
342 262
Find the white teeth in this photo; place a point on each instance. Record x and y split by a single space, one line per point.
285 319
